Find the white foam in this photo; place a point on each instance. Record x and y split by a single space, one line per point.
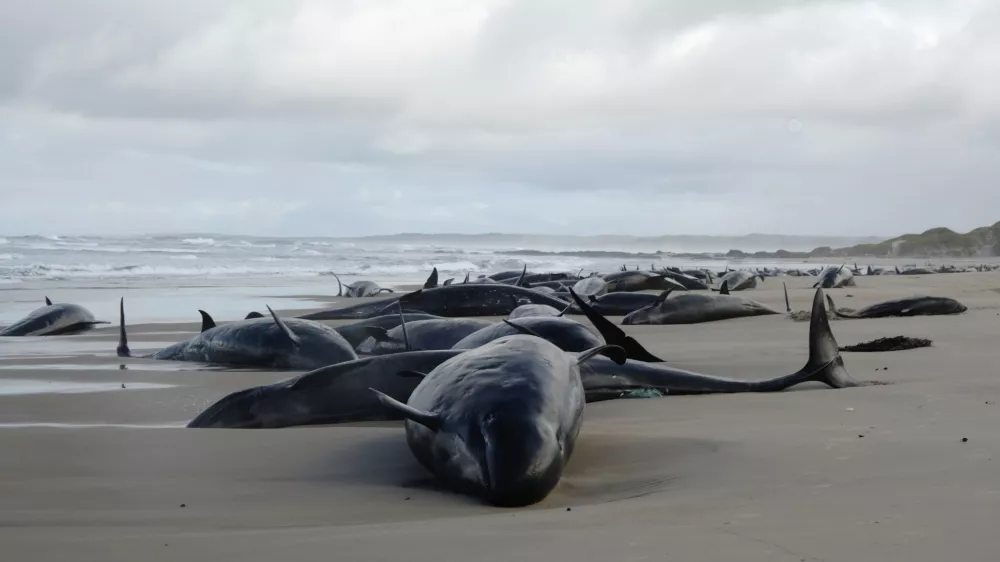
199 241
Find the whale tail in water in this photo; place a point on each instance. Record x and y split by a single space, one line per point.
613 334
825 364
122 350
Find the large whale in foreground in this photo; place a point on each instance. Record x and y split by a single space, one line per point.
53 320
260 342
499 421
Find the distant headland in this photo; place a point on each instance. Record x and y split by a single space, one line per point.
936 242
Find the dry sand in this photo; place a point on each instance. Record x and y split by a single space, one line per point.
871 473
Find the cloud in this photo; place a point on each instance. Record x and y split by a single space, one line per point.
630 116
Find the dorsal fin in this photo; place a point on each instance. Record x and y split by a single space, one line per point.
613 334
591 298
378 333
466 277
613 352
340 287
48 302
724 289
384 290
432 279
253 314
284 328
788 305
522 329
565 310
520 279
430 420
448 281
663 296
402 327
123 350
206 321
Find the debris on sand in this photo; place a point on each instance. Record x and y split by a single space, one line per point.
895 343
806 315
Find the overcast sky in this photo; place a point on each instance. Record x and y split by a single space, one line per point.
625 116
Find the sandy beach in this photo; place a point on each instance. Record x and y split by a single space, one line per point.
97 466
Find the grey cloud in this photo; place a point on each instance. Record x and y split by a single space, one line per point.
634 116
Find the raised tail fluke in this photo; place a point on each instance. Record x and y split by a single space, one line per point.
825 363
123 350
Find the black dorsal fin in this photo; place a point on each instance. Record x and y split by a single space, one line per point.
207 323
430 420
340 287
48 302
123 350
466 278
379 334
284 328
724 289
663 296
432 279
613 334
402 327
253 314
520 279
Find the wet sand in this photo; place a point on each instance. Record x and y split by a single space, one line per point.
871 473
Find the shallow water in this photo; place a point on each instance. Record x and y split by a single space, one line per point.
21 387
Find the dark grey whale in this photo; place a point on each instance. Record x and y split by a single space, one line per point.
475 300
357 332
53 320
567 334
261 342
335 394
825 365
360 289
499 421
835 277
910 306
422 335
694 308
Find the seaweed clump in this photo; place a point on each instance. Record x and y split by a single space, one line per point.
895 343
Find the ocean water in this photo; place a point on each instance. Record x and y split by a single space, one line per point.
167 278
63 258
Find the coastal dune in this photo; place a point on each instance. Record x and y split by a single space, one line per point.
905 469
